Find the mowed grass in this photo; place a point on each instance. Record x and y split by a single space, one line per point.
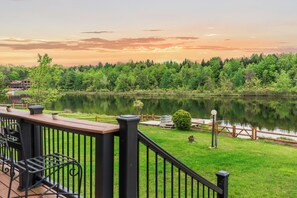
257 168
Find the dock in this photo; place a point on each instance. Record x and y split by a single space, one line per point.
195 122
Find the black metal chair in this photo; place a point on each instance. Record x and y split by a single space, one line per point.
3 149
43 166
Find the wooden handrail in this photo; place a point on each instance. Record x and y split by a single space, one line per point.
62 122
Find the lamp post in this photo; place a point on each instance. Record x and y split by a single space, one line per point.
213 113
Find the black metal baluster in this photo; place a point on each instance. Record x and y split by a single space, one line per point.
78 152
147 173
164 176
91 168
68 154
73 150
138 174
203 191
179 182
44 144
198 189
53 151
186 185
85 165
49 149
172 181
156 174
58 151
192 186
63 153
44 140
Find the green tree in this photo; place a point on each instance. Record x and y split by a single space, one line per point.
13 75
283 82
3 89
125 83
166 80
99 81
238 78
253 85
77 85
44 80
226 84
216 66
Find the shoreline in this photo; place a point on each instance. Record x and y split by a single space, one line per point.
186 94
173 93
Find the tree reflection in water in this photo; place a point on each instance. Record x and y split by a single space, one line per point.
269 113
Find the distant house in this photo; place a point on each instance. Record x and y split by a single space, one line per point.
19 84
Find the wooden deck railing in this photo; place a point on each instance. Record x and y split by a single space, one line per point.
91 143
108 153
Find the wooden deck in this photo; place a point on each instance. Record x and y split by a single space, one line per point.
4 182
62 122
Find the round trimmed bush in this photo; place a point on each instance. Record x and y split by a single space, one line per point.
182 120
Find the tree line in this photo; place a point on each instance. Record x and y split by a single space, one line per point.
272 73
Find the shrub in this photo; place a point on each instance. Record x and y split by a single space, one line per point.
182 120
138 104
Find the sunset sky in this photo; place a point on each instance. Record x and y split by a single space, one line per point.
75 32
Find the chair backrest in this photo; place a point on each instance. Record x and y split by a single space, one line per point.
13 136
2 126
2 135
4 147
3 143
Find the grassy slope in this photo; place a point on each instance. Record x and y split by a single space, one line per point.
257 168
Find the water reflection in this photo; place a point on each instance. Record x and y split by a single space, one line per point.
269 113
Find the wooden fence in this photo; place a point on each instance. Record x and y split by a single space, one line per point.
146 117
252 133
143 117
16 105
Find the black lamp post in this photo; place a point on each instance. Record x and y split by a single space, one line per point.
213 113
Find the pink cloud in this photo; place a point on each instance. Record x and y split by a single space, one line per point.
98 32
90 44
145 43
153 30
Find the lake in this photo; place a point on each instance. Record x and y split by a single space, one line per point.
262 112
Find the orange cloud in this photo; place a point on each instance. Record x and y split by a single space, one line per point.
186 38
95 49
255 49
93 44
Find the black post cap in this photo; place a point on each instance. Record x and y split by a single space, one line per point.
35 109
129 118
222 173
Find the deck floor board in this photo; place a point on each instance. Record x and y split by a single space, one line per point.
4 182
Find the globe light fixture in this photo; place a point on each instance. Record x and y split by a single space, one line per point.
213 112
213 140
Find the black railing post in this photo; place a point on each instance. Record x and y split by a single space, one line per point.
104 165
128 179
32 142
222 180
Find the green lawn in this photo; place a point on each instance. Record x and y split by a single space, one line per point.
257 168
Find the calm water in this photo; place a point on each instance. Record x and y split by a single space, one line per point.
265 113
